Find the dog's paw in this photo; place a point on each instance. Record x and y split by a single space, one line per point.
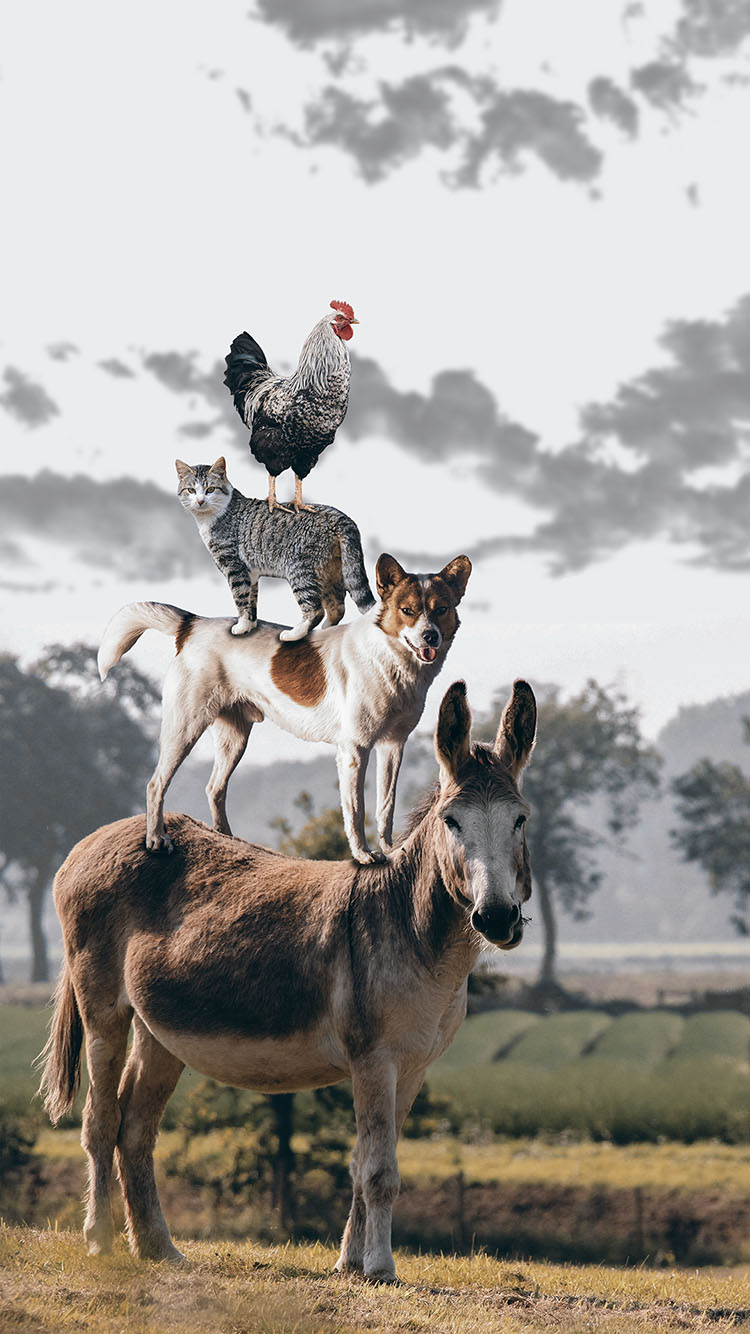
160 843
366 857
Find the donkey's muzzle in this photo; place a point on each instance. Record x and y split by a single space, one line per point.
499 923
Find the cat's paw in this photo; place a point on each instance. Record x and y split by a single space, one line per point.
243 627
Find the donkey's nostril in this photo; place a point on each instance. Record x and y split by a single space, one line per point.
478 922
515 914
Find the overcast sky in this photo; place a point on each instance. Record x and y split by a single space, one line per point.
540 214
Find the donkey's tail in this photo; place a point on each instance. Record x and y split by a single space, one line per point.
353 564
129 623
61 1076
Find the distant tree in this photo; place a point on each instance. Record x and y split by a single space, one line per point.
713 804
588 747
321 838
75 755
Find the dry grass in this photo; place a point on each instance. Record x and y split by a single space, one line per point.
48 1283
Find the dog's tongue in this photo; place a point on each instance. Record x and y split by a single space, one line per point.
428 654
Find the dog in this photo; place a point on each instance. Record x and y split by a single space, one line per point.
358 686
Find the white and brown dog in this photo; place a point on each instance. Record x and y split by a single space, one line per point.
357 686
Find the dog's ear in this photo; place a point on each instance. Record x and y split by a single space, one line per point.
219 468
456 575
183 469
388 573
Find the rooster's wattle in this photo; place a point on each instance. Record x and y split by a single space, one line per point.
293 418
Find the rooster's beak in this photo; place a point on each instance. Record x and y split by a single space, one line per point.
353 321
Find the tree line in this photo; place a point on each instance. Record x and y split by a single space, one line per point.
77 753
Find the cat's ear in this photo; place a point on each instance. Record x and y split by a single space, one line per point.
219 468
183 469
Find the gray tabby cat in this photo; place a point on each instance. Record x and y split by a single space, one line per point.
318 551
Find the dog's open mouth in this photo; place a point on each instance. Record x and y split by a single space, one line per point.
424 652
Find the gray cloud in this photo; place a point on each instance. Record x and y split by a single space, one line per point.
61 351
178 372
381 134
666 84
610 103
309 21
128 527
116 368
26 400
712 27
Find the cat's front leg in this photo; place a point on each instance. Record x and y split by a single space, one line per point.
245 594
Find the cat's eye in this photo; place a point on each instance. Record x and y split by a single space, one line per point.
452 823
209 489
191 490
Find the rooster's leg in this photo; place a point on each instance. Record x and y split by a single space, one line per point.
298 501
273 503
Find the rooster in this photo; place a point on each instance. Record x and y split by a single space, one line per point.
293 418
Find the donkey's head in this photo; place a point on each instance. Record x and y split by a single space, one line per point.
482 841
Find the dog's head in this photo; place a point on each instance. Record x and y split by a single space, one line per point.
420 609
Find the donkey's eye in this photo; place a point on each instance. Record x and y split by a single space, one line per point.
452 823
520 822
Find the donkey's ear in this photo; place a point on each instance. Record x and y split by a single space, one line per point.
388 573
183 469
219 468
456 575
517 731
453 733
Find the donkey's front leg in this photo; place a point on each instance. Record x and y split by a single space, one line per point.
389 762
374 1088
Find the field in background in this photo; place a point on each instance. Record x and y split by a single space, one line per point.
48 1283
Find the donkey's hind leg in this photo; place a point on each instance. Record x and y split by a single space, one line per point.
147 1084
106 1045
231 731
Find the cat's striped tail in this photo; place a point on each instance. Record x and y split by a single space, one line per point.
353 564
129 623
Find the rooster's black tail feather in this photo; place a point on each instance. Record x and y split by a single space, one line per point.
246 358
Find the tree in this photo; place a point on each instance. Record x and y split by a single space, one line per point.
713 804
75 755
588 747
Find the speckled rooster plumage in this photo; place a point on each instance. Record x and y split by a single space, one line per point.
293 418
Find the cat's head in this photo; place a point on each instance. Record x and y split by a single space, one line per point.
204 488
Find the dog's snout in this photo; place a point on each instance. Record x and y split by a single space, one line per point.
431 637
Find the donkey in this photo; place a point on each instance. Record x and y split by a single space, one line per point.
273 973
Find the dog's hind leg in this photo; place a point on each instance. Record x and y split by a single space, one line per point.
231 732
189 706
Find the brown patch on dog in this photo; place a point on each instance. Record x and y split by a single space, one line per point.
299 672
183 630
407 593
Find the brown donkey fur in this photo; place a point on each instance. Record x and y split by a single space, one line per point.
272 973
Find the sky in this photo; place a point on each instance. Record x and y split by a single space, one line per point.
540 215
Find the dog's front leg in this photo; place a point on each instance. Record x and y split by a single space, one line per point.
389 755
351 762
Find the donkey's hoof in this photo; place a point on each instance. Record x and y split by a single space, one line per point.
349 1267
381 1276
160 1252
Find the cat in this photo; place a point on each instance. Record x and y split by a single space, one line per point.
319 552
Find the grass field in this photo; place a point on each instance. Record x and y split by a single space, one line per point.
48 1283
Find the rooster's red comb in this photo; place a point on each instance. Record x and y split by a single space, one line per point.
344 307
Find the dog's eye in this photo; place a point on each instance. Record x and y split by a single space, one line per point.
452 823
520 822
408 611
440 611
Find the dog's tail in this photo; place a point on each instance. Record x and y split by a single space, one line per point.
353 564
129 623
61 1075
